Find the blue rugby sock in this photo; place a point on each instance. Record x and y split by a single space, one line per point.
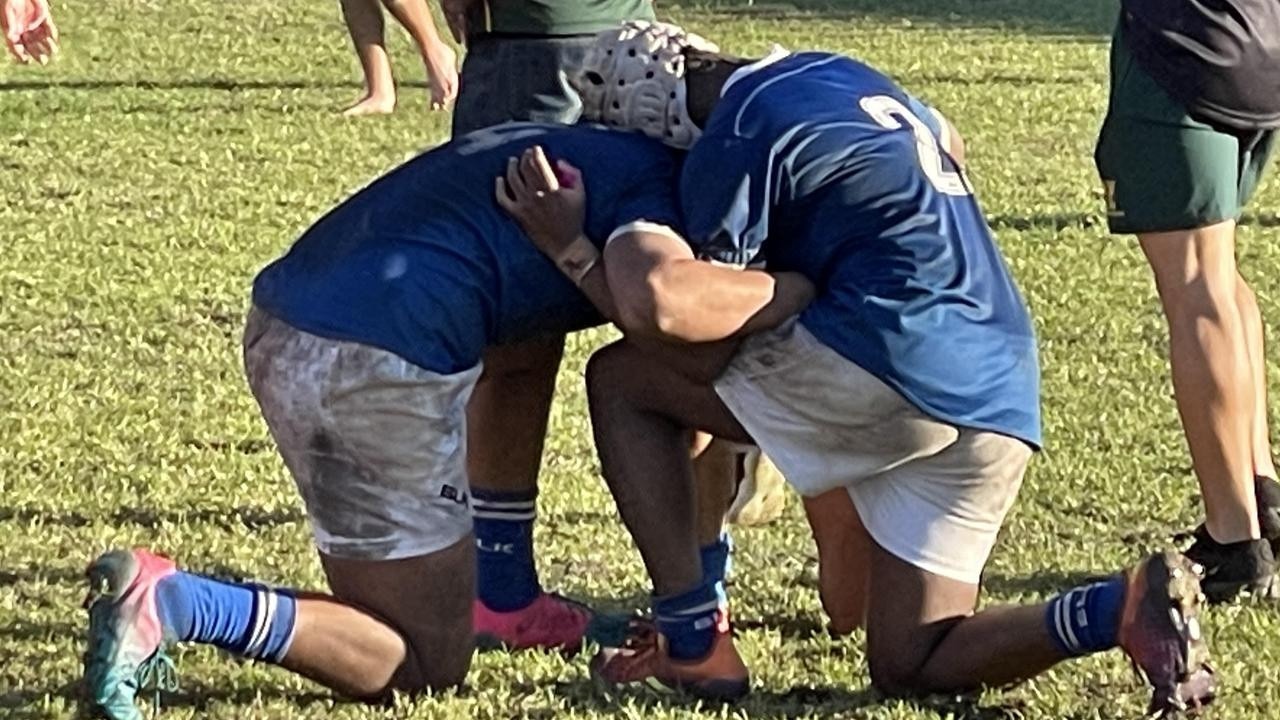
506 577
249 620
1087 619
688 621
717 561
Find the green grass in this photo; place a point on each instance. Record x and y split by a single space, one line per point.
177 147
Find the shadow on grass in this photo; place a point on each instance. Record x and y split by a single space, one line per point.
1048 582
1084 221
225 84
586 695
25 703
244 517
790 627
834 701
1084 17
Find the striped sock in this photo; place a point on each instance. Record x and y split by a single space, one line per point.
1086 619
506 576
689 621
247 619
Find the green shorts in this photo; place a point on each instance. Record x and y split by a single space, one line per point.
1164 170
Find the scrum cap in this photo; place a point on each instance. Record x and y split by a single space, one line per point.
634 77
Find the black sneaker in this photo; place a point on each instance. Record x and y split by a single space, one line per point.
1234 567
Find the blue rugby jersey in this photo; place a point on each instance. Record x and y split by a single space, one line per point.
425 264
817 163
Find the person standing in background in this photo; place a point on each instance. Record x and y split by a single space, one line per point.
518 53
365 23
1195 101
29 30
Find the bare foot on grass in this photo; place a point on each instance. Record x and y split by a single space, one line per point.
371 104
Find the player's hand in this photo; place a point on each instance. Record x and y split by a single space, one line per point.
549 202
29 30
455 14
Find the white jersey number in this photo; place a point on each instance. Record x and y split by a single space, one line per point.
891 114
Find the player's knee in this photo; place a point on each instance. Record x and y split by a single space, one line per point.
433 669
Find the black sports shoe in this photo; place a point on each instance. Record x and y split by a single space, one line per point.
1234 567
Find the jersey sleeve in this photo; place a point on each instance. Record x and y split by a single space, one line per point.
725 194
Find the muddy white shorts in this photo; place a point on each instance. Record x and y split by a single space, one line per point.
376 444
930 493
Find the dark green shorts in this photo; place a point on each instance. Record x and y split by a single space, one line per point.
1164 170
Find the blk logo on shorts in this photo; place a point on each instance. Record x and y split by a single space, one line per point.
449 492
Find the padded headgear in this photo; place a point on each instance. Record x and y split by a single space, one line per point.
634 77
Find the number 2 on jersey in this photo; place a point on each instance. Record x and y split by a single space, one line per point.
891 114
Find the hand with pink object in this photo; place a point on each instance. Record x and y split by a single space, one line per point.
28 30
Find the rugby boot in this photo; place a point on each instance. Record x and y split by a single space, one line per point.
126 653
643 660
551 622
1160 632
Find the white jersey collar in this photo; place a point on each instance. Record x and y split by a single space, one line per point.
776 53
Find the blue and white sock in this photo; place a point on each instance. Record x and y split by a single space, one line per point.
506 576
247 619
1087 619
688 621
717 562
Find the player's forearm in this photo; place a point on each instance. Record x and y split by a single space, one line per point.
699 302
792 293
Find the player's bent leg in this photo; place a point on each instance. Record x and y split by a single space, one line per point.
844 559
1213 380
934 521
927 640
507 425
394 625
640 410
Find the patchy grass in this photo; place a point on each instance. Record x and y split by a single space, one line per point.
177 147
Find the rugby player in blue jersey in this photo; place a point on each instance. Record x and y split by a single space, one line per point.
362 347
903 402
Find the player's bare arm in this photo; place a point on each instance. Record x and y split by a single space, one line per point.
647 280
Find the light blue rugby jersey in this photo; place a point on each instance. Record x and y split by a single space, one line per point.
817 163
425 264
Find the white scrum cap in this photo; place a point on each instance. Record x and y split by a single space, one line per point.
633 77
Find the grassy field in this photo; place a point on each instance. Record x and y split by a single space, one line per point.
177 147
